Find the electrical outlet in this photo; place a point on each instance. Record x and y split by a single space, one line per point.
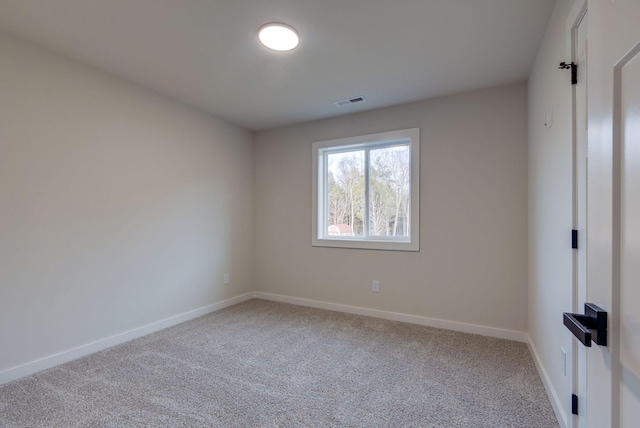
226 278
375 286
548 121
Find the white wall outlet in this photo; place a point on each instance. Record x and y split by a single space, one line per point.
375 286
226 278
563 354
548 120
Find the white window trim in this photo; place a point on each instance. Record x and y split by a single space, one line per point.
379 243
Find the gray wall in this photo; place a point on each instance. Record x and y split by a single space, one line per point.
472 263
118 207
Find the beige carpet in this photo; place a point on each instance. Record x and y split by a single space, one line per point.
265 364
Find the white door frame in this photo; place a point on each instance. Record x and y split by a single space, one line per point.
617 368
613 398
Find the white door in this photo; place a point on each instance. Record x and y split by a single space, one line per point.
580 200
613 210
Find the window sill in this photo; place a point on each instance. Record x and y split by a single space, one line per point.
369 244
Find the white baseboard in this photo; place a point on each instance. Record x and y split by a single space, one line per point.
394 316
548 386
72 354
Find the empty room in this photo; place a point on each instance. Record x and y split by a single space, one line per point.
330 213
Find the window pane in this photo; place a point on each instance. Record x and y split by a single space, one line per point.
390 190
345 200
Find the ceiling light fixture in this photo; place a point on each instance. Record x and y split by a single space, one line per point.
279 37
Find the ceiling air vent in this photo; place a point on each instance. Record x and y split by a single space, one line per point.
349 101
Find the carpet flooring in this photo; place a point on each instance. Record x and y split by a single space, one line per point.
267 364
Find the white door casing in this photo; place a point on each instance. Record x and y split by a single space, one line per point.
613 210
628 80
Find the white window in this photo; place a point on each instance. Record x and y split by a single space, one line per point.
366 191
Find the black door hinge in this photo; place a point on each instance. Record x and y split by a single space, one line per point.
574 239
574 404
574 70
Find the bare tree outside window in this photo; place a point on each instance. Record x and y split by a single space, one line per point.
389 192
346 190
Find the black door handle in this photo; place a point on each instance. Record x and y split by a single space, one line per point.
575 324
591 325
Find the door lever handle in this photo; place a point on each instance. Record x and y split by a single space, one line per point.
591 325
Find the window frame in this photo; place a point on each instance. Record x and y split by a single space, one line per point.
321 149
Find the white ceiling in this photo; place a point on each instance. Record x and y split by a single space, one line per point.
205 52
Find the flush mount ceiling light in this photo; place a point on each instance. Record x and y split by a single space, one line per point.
279 37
